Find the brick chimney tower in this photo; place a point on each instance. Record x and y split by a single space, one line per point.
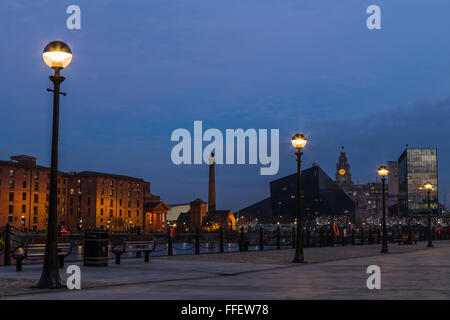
212 185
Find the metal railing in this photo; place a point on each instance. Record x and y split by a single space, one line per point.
242 240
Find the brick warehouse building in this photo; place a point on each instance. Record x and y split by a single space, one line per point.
85 199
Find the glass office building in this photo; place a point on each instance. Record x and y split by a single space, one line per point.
417 166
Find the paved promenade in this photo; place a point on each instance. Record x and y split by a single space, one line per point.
408 272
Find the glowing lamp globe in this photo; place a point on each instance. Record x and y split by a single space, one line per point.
428 186
383 171
57 55
299 141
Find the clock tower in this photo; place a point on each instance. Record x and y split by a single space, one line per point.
343 176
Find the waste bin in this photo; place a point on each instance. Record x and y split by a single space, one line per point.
96 248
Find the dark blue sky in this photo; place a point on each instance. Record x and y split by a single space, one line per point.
144 68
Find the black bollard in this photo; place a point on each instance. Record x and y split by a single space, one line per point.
332 236
197 241
362 235
342 237
261 238
321 236
293 237
7 258
279 238
242 240
308 237
353 237
169 244
221 240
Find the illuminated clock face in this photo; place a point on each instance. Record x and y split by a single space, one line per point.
342 172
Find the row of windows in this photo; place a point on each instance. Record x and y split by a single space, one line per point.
36 199
35 211
36 177
111 213
12 174
24 196
24 209
111 183
111 202
24 185
35 219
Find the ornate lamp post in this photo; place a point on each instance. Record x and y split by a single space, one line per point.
299 142
383 172
57 55
428 186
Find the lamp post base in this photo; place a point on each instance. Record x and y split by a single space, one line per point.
384 250
430 245
299 260
49 282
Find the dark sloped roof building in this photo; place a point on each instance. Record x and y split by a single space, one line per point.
321 197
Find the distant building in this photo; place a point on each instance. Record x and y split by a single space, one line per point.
217 218
416 166
321 197
197 214
85 199
176 210
220 218
155 216
393 192
200 217
343 176
367 197
259 212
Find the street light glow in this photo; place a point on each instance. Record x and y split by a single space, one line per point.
57 55
299 141
428 186
383 171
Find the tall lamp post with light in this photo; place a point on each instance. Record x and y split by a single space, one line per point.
428 186
299 142
383 172
57 55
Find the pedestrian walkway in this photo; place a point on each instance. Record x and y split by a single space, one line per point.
411 271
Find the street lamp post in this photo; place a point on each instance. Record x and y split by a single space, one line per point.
299 142
57 55
428 186
383 172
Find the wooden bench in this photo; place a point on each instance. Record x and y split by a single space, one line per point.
31 250
139 246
